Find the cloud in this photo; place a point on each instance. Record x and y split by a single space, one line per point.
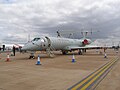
45 17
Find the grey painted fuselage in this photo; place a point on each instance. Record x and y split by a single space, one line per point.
55 43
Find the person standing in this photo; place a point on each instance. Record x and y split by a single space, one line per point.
14 50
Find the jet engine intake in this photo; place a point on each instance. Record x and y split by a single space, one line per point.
85 42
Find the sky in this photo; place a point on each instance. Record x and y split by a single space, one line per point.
21 18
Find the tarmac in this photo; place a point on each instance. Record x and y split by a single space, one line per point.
58 73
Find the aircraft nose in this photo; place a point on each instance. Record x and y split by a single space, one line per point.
26 47
32 46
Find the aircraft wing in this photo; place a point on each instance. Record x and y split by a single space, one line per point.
86 47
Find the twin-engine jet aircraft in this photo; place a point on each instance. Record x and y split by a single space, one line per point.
50 44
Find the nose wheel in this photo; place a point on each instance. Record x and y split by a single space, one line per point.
32 56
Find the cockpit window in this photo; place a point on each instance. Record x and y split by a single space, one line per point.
35 39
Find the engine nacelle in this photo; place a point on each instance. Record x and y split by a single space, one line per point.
86 41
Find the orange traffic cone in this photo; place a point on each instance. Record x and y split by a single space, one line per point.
8 58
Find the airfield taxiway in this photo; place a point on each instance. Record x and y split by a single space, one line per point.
57 73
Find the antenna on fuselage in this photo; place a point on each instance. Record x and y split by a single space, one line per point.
91 31
85 33
58 34
70 35
28 37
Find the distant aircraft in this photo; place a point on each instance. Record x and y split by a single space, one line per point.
4 46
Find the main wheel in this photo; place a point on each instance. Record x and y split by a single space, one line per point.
64 52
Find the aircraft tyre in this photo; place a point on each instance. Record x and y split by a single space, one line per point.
64 52
80 52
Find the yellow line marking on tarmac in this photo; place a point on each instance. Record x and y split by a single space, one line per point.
88 78
88 84
77 86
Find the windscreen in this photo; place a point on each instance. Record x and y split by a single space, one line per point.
36 39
